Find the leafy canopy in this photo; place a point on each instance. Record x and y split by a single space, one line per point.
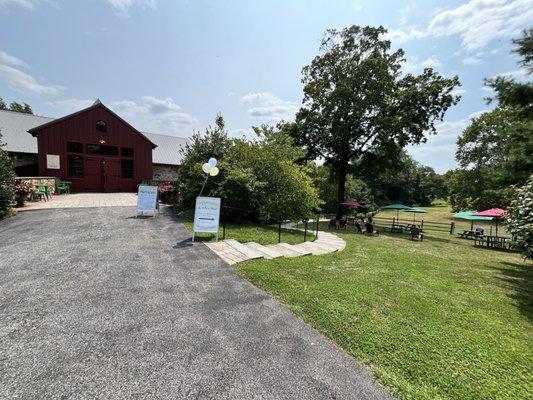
357 102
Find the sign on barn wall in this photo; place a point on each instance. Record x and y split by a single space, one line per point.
147 200
206 215
52 161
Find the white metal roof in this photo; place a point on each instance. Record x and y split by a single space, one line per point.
14 128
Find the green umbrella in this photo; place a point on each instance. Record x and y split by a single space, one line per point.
469 217
396 207
415 211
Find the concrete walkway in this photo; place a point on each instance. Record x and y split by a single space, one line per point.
96 304
80 200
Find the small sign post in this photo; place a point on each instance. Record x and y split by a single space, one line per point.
206 215
147 201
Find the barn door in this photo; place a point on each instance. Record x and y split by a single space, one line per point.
111 175
93 174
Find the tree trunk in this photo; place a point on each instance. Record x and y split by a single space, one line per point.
341 190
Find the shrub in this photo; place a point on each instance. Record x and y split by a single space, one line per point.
6 177
21 190
259 179
168 193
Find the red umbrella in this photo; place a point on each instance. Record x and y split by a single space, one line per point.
352 203
496 213
491 212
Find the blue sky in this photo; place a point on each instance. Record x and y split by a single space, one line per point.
170 66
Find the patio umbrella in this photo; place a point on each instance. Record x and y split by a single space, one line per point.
352 203
496 213
396 207
469 216
415 211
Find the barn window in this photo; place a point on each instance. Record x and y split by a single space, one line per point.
101 150
126 152
126 167
101 126
74 147
75 166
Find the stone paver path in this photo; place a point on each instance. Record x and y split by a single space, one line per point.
233 252
80 200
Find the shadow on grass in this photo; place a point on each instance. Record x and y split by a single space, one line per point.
519 278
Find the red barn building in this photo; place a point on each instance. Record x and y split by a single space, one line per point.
94 149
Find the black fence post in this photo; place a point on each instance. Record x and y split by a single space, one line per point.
279 232
317 221
452 228
305 229
422 226
223 224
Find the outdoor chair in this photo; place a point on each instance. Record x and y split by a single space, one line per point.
41 192
343 223
479 232
370 231
416 233
333 223
63 187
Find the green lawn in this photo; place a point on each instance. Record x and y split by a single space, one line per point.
251 232
437 319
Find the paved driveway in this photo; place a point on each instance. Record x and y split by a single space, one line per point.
95 304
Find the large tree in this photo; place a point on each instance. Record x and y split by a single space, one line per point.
358 102
495 151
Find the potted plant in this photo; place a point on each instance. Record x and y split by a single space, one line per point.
22 189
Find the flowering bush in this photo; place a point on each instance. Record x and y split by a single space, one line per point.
21 189
520 218
168 193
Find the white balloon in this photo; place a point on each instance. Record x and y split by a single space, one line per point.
206 168
212 162
213 171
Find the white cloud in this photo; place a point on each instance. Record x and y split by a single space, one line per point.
11 60
21 81
471 60
28 4
516 74
458 91
122 7
478 22
405 11
67 106
269 108
413 65
155 115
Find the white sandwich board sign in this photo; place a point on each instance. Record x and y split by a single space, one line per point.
206 215
147 200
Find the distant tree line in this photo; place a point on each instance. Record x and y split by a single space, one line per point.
14 106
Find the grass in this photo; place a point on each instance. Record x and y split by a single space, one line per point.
251 232
438 319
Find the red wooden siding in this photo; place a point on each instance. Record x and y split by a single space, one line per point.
81 128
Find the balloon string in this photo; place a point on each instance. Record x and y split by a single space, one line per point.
203 186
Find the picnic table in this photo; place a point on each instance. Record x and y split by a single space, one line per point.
494 242
468 234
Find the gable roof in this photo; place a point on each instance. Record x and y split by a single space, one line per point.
14 127
96 104
168 149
